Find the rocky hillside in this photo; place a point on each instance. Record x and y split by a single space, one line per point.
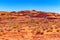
29 25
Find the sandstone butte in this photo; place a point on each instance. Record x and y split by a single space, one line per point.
29 25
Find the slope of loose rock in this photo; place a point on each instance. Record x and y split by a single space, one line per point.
29 25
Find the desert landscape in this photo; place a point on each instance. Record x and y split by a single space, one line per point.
29 25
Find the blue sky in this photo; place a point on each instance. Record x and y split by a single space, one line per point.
40 5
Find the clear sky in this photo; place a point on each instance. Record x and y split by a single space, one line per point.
41 5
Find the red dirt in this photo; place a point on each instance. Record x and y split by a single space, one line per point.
29 25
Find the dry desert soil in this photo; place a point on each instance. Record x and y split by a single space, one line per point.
29 25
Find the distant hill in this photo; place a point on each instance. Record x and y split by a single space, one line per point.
32 13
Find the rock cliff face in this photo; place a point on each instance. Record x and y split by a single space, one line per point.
29 25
